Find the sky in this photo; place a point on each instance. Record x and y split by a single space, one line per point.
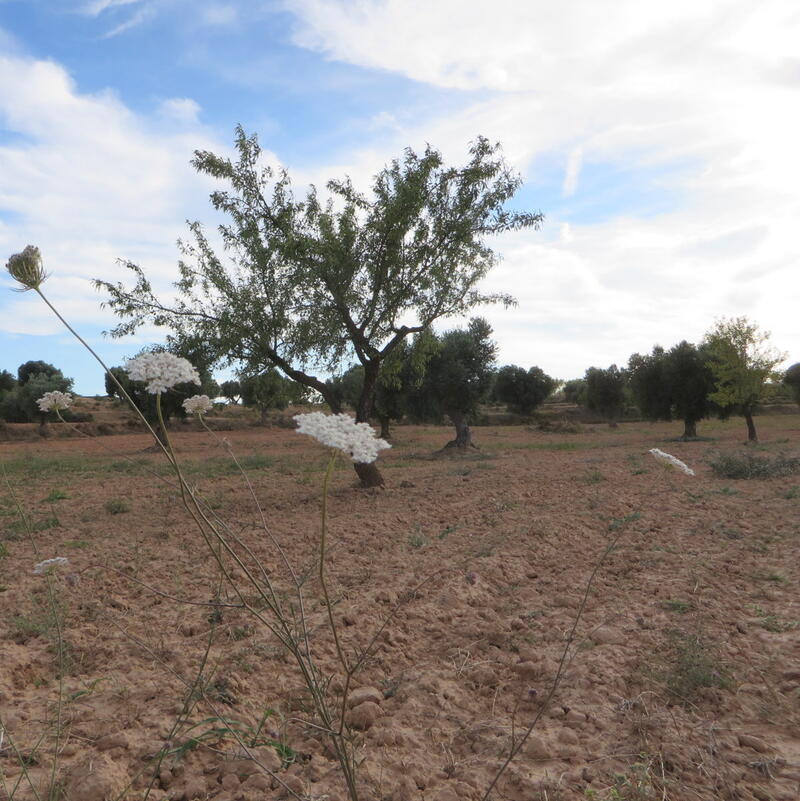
660 141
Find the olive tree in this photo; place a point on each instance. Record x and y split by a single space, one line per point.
232 390
523 390
311 283
458 377
791 378
605 392
741 361
269 390
674 384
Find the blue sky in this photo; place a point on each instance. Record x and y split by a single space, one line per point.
656 141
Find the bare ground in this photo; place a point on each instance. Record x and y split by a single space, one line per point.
683 683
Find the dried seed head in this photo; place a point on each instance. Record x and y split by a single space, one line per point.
27 268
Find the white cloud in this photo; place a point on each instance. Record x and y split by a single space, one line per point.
89 182
142 15
180 109
97 7
574 164
219 14
698 93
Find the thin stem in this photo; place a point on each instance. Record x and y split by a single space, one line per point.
105 367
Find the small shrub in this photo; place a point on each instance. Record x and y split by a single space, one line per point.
694 667
117 507
750 465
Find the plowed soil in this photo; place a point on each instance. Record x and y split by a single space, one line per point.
682 680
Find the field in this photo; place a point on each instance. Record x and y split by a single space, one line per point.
683 681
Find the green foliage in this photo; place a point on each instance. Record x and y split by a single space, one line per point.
791 378
19 404
232 390
694 667
269 390
346 388
117 507
317 281
674 384
172 401
741 361
7 382
459 374
605 391
575 391
748 465
522 390
29 369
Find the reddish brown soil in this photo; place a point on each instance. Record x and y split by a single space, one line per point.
683 682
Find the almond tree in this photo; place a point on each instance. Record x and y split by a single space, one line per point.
309 284
741 360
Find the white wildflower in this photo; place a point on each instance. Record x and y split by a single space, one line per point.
341 431
161 371
56 561
672 461
51 401
198 404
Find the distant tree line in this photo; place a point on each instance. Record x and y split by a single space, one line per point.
729 372
436 377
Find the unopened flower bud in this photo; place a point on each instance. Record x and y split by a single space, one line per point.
27 268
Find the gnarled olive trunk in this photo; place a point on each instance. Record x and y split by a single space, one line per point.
463 438
385 432
689 429
751 426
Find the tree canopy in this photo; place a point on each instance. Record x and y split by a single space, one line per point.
605 392
458 377
523 390
19 405
269 390
741 361
674 384
32 368
314 282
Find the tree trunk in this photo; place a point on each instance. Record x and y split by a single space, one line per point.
751 426
385 432
689 429
368 473
264 416
463 438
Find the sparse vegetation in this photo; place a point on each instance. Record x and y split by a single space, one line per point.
747 465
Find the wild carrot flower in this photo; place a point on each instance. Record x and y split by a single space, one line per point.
161 371
51 401
27 268
198 404
672 461
342 432
57 561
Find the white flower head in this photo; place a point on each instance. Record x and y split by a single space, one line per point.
198 404
671 461
161 371
51 401
341 431
44 567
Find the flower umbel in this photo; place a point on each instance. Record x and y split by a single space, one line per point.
341 431
161 371
51 401
27 268
671 461
198 404
44 567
